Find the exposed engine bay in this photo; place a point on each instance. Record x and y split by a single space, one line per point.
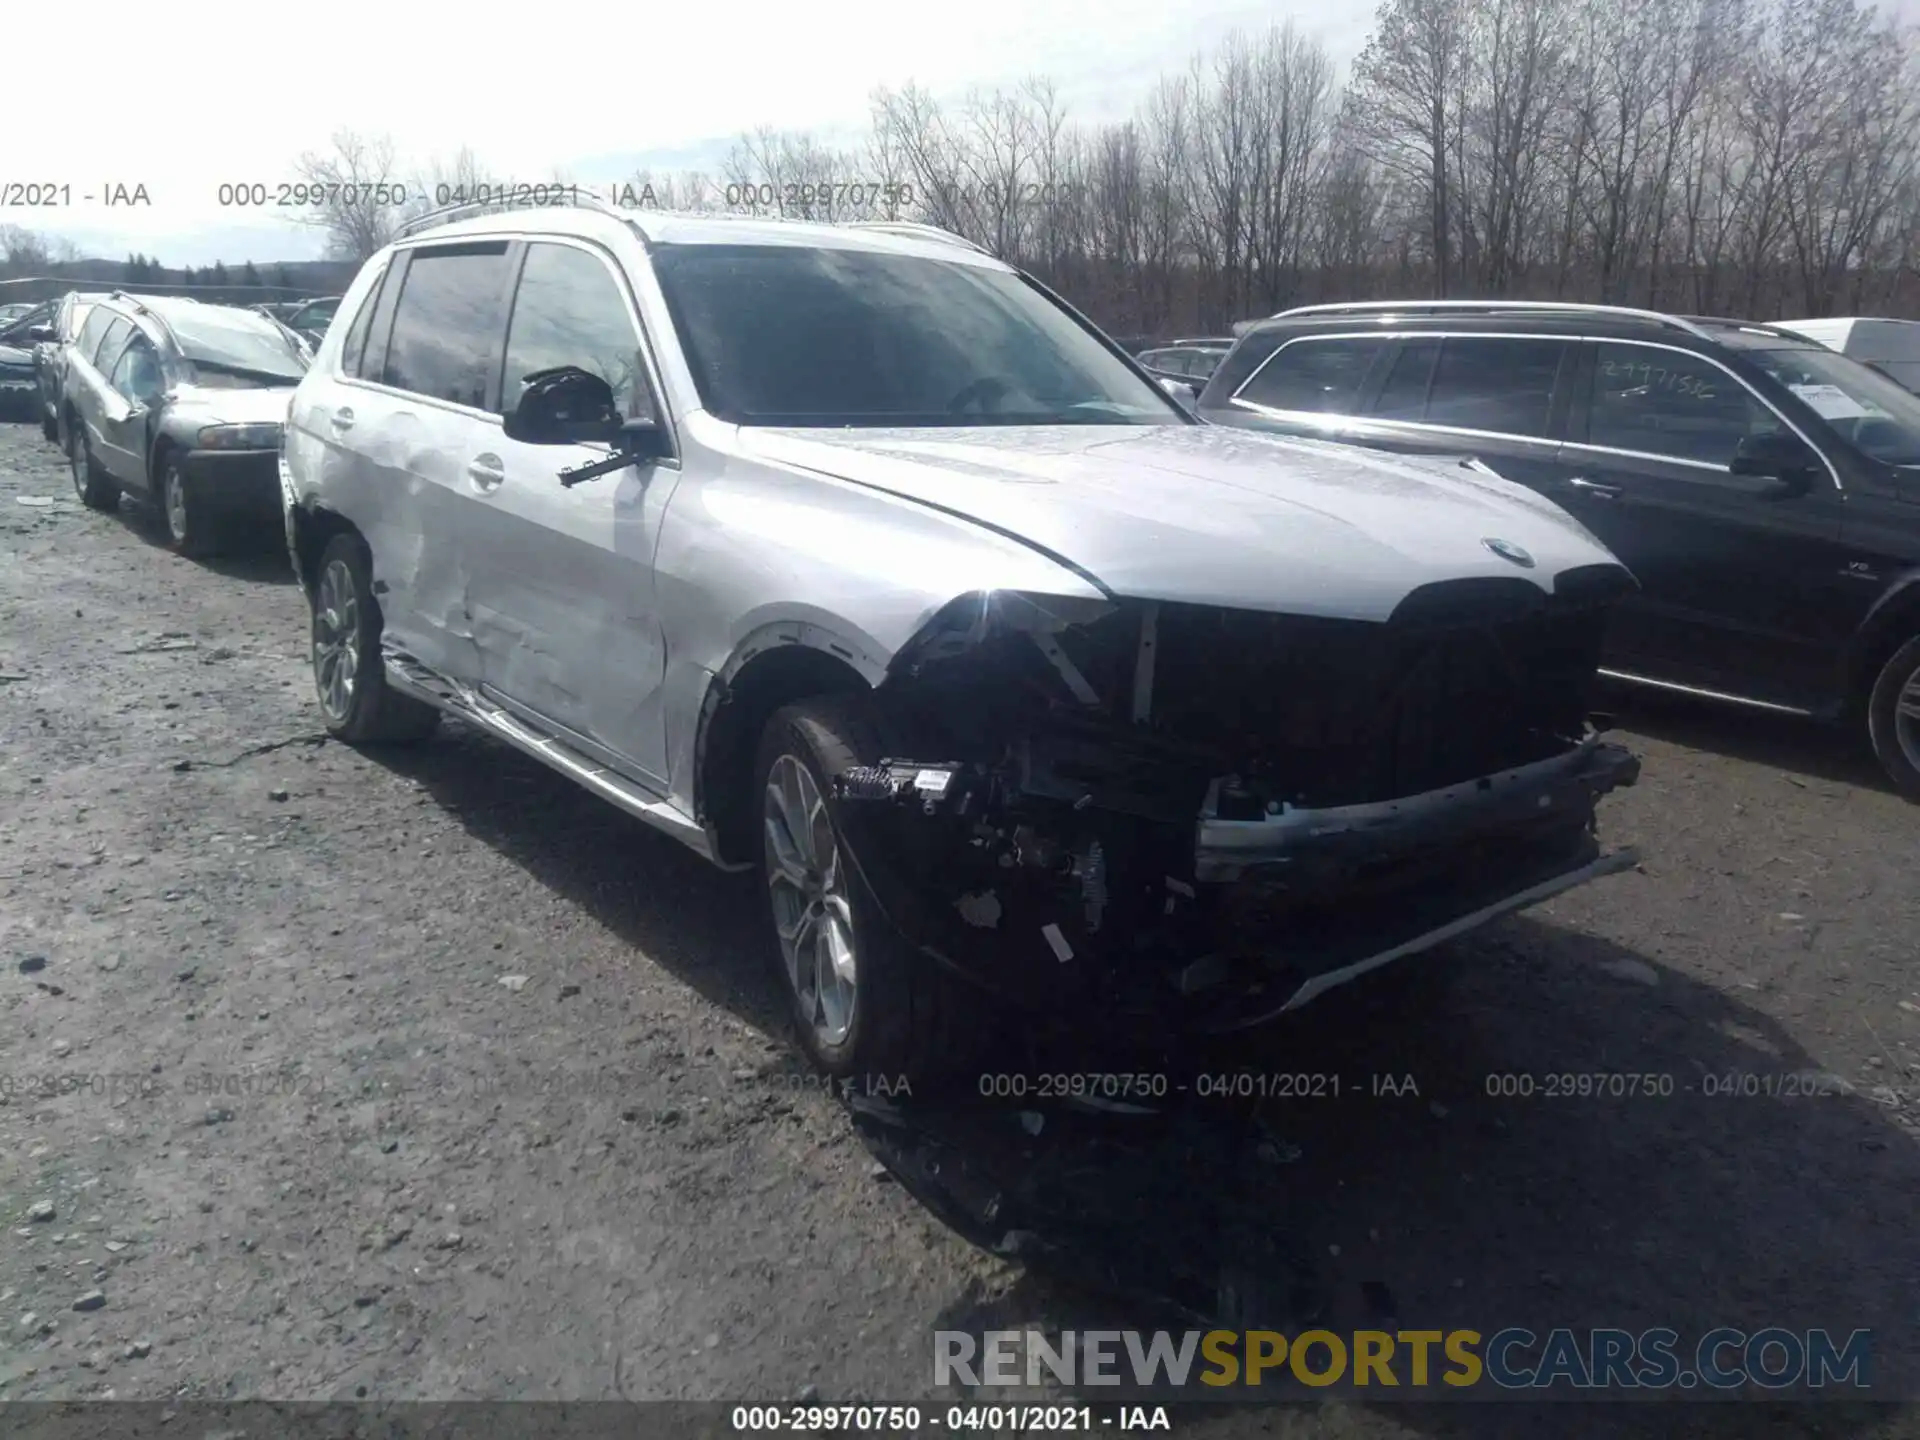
1187 814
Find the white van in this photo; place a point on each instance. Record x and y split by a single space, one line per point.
1889 346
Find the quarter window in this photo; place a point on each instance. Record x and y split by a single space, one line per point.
356 340
1666 402
569 310
1498 385
1322 376
447 324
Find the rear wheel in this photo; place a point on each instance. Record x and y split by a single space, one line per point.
348 676
92 484
48 428
865 1001
1893 718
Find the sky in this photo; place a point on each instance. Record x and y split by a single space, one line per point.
212 92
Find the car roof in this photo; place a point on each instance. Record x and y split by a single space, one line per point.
663 227
1588 322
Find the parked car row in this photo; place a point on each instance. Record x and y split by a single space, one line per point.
307 318
1764 489
175 402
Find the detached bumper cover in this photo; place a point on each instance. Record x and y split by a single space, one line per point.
1401 877
1564 785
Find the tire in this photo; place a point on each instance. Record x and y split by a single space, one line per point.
1893 718
189 530
92 484
906 1016
349 679
48 428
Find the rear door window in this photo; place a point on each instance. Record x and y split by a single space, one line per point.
1494 384
1314 376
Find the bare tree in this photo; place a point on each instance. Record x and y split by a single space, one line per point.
363 201
1404 105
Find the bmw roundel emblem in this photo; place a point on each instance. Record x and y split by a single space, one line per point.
1507 550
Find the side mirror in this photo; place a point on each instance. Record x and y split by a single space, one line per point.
1783 458
1183 391
570 406
39 334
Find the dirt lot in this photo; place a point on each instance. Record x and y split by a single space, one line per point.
315 1147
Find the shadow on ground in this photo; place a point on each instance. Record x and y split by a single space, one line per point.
1386 1180
1799 746
253 553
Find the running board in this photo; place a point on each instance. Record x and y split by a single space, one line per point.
415 680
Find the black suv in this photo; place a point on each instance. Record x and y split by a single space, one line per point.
1764 489
1189 360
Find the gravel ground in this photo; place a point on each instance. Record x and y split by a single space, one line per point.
317 1147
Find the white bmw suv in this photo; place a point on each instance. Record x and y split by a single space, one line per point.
855 556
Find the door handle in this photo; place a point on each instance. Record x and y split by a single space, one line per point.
485 472
341 419
1595 488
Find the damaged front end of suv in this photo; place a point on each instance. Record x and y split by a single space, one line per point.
1192 818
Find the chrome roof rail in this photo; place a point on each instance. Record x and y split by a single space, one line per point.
1491 307
473 209
915 230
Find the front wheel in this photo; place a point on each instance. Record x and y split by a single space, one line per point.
867 1005
349 677
1893 718
184 515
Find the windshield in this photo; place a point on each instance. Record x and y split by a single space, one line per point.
237 340
796 335
15 331
1875 414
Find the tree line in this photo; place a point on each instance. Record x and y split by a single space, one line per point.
1758 158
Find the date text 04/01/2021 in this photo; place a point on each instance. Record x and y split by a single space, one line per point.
959 1419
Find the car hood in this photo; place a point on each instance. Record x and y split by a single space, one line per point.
13 357
213 405
1211 516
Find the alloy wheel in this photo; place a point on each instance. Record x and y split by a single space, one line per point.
811 908
336 640
175 499
1906 718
